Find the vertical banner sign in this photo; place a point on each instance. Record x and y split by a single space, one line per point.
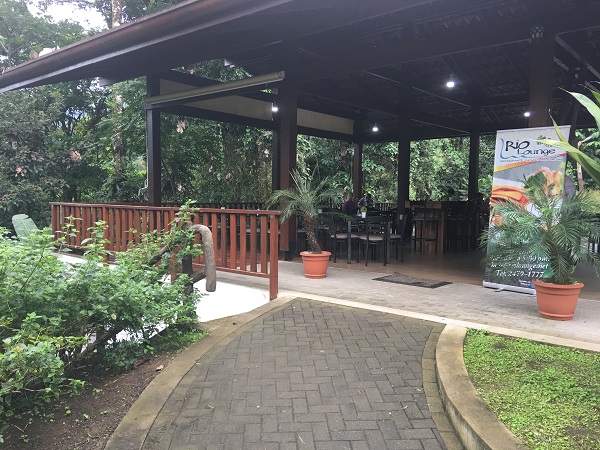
518 157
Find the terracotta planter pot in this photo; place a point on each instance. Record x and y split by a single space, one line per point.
557 301
315 264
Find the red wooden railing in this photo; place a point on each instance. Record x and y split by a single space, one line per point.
228 205
253 251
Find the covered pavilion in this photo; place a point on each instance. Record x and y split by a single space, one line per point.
337 68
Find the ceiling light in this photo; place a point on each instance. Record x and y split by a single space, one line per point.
451 81
527 113
375 128
274 107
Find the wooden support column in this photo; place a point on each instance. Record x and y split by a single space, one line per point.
357 174
153 150
276 151
404 139
575 107
474 150
287 143
566 99
541 80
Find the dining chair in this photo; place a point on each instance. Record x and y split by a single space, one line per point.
457 228
397 235
376 235
340 236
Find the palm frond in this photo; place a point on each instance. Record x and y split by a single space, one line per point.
304 199
558 232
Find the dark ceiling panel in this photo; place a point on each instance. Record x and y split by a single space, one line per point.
357 59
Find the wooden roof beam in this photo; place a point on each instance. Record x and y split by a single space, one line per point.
580 53
332 92
324 15
199 81
446 44
389 21
386 74
215 90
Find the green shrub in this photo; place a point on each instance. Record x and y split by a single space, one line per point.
54 314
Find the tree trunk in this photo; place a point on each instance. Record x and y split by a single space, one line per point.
119 151
313 243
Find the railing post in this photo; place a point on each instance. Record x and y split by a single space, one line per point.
55 220
105 236
274 259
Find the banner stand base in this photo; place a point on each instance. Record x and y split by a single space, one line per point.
506 287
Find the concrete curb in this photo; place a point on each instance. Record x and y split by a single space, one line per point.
474 422
131 432
430 387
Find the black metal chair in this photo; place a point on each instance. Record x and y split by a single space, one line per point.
457 233
377 230
397 234
340 236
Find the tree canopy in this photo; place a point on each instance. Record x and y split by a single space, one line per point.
59 142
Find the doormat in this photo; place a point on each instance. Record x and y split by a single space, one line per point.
412 281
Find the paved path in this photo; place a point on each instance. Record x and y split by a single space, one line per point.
461 304
307 375
342 368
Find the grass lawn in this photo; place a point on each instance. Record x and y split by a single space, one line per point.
548 396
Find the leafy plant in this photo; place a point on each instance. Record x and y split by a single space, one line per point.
551 227
589 164
54 315
305 198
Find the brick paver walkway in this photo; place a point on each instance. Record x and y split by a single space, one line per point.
308 375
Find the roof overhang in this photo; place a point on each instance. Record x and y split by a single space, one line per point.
116 52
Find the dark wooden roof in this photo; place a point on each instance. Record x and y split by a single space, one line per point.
365 60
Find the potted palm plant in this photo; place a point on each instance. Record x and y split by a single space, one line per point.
553 228
305 199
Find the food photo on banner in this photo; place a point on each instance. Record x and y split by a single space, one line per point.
519 157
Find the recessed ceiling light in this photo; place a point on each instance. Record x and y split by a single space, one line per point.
527 113
274 107
375 128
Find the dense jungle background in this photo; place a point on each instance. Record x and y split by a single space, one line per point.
80 141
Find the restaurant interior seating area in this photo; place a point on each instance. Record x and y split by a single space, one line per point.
424 228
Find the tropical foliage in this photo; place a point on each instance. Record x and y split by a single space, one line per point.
304 199
55 315
59 142
552 228
588 163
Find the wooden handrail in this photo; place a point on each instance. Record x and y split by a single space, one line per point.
245 241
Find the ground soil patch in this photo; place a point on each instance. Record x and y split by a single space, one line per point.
105 400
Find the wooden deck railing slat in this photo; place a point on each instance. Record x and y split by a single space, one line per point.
264 236
274 254
233 236
243 242
243 238
253 242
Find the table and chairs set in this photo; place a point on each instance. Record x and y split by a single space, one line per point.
368 238
429 227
